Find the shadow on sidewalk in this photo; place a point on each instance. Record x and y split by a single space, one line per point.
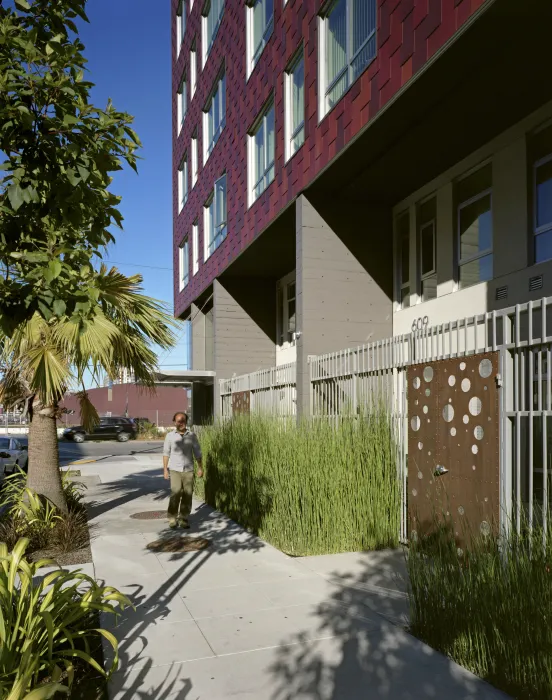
151 608
364 651
148 482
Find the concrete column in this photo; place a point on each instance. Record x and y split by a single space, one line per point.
510 209
445 240
242 339
197 323
339 302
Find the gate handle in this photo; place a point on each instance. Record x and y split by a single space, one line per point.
440 471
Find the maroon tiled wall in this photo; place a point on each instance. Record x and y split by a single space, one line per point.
409 32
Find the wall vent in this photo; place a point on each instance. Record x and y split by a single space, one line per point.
501 292
535 283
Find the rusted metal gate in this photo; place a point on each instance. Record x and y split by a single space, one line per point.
241 403
453 445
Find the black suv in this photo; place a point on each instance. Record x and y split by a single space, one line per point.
114 428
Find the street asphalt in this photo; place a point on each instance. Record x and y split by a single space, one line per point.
94 449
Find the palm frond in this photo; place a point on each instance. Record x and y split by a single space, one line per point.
89 414
122 301
51 372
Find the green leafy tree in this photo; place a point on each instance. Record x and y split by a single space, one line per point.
60 150
60 316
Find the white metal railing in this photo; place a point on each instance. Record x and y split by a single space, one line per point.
271 390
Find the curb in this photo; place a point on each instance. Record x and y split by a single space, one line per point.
88 461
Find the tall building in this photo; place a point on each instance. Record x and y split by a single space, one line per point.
346 170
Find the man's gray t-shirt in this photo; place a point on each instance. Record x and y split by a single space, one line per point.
181 448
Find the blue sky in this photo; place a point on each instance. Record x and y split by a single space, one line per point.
128 47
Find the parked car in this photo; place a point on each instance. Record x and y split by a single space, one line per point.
13 454
113 428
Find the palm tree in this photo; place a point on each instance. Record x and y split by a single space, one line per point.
43 359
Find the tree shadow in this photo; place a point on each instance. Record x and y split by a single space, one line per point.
135 628
126 489
360 649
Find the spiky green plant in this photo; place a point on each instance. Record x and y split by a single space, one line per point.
308 488
488 606
45 624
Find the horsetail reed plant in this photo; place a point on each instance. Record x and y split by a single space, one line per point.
488 607
310 488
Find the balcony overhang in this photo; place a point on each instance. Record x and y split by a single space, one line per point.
184 378
483 81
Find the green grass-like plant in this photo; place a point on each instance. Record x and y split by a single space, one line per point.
310 488
45 625
487 605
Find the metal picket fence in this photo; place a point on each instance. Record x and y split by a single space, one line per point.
350 381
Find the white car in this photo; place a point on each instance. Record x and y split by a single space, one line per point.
12 455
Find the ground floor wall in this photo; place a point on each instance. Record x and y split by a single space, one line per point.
516 270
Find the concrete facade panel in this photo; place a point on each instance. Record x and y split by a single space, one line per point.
332 313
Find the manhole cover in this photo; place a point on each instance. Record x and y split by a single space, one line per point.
150 515
178 544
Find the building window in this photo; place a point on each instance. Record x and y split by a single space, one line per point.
180 25
261 153
184 264
182 105
210 22
543 209
214 117
295 105
195 247
475 228
347 46
193 71
427 249
182 184
215 217
286 311
195 159
260 24
403 258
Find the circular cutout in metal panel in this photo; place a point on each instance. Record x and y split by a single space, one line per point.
415 423
479 433
475 406
428 374
416 383
466 385
448 413
485 369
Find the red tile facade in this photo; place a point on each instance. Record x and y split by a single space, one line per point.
409 32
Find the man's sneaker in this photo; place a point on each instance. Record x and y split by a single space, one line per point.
172 524
184 524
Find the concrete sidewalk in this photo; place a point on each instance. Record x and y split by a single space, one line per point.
240 619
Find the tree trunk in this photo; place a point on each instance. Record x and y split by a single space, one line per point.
44 475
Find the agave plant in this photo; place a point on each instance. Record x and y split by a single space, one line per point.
45 625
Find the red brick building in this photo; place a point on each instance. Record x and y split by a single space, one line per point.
303 132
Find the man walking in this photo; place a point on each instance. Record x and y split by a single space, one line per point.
181 446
